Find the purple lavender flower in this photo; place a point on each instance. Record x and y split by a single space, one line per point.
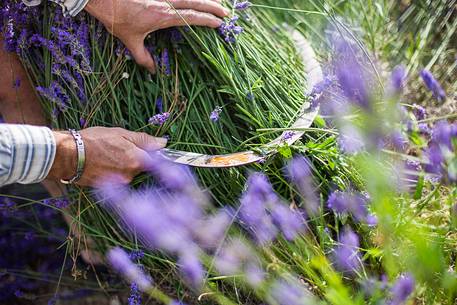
191 269
173 176
402 289
210 231
351 203
241 6
236 257
165 62
120 261
290 292
350 74
419 112
250 96
424 129
136 255
215 114
338 202
411 174
232 256
442 134
60 203
288 221
347 257
175 302
434 159
82 122
229 30
253 210
176 36
351 140
288 135
254 274
159 104
300 174
433 85
398 78
159 119
135 295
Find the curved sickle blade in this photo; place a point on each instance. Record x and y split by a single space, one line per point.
305 119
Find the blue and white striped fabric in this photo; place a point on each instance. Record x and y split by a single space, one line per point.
26 153
69 7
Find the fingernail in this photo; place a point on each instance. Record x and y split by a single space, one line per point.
162 141
226 11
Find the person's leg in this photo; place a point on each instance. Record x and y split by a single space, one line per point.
18 100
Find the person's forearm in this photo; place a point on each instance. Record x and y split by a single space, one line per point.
18 100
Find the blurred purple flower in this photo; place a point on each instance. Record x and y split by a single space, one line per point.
433 85
192 269
173 176
121 262
350 74
288 221
165 62
352 203
347 257
419 112
159 104
398 78
290 292
300 174
350 140
210 231
236 257
424 129
253 210
442 134
402 289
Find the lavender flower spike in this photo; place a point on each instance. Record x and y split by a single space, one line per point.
402 289
300 174
120 261
215 114
159 119
433 85
347 256
241 6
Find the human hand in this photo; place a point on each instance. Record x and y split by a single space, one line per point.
110 153
132 20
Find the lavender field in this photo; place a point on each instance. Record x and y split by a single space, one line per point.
358 207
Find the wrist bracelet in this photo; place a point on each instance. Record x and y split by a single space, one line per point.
81 157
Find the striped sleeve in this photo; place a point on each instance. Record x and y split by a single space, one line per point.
26 153
69 7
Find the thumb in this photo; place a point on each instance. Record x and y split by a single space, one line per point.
142 56
146 142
